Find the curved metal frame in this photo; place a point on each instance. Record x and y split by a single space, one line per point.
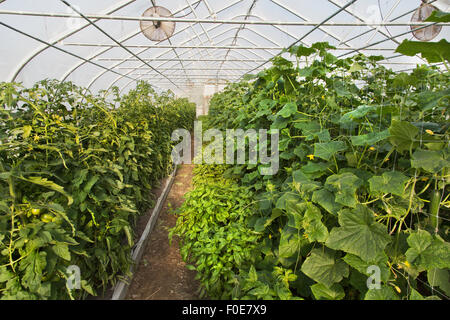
186 58
63 36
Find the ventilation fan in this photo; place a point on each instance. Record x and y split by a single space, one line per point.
420 15
157 30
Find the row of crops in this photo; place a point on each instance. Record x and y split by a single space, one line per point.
360 206
76 170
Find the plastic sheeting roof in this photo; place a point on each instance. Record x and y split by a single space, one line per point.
98 44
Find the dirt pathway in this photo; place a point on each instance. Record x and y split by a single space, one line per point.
161 274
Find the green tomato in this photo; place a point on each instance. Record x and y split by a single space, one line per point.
36 211
47 218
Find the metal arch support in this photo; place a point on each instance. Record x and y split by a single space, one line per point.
167 51
306 19
249 11
394 19
221 21
65 35
341 41
220 34
95 55
338 4
117 79
211 11
249 29
246 49
205 32
108 35
232 28
222 41
142 51
62 50
195 32
311 31
246 57
387 39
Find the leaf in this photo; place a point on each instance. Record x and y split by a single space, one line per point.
33 265
361 265
344 186
303 184
427 251
389 182
322 267
48 184
384 293
252 274
370 138
287 196
403 135
80 176
309 129
431 161
340 89
355 67
62 250
27 131
358 113
327 200
432 51
322 46
301 51
440 278
415 295
438 16
288 110
5 274
359 234
312 223
429 100
315 170
295 210
87 287
328 149
279 123
289 243
321 291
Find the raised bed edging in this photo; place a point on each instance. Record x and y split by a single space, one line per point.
121 289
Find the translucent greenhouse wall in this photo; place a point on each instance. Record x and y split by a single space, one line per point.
99 44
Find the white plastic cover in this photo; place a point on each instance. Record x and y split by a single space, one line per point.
58 39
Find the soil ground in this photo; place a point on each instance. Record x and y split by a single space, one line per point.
161 274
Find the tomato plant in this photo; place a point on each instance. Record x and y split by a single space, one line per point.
75 172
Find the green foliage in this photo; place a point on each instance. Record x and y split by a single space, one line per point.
363 151
75 172
212 224
432 51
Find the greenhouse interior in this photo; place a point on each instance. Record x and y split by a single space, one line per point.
224 150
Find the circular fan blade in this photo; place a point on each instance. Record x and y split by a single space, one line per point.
420 15
157 30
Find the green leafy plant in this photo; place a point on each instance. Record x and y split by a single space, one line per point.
363 179
75 172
